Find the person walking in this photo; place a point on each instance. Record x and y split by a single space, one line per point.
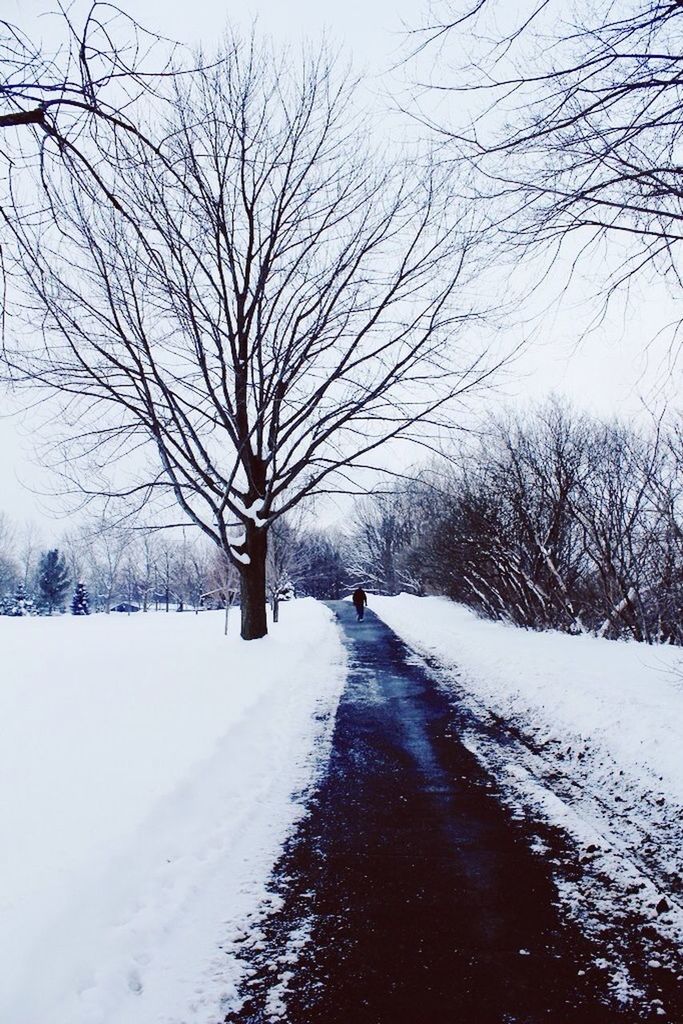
360 599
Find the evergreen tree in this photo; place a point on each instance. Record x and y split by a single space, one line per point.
80 603
53 580
19 606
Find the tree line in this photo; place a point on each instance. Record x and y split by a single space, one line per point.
549 519
135 568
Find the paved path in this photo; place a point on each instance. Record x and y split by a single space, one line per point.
419 899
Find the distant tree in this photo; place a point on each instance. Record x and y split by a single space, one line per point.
323 573
28 545
622 522
284 564
147 563
22 605
74 545
8 574
53 580
107 554
168 563
129 586
197 571
382 541
552 520
222 582
503 535
80 603
8 567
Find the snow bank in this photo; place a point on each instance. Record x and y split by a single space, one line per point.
147 772
579 691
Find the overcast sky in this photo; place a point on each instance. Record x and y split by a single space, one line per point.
607 372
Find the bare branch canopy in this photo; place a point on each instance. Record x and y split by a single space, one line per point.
266 301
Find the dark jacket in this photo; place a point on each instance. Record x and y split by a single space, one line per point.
359 598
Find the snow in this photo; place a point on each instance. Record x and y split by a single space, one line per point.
586 735
623 699
252 511
240 556
148 767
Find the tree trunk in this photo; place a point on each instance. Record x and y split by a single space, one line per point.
253 585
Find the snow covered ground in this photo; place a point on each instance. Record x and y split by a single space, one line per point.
149 772
593 743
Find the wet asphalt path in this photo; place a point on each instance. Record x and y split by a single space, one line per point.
420 899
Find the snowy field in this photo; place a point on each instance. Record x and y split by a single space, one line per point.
593 741
149 769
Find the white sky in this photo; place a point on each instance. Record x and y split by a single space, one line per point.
607 372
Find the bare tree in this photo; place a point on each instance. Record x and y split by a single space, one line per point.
39 86
147 557
108 549
666 584
198 573
223 584
65 104
52 99
268 304
617 509
573 119
544 464
285 563
324 572
9 567
554 520
29 546
385 529
74 545
167 564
